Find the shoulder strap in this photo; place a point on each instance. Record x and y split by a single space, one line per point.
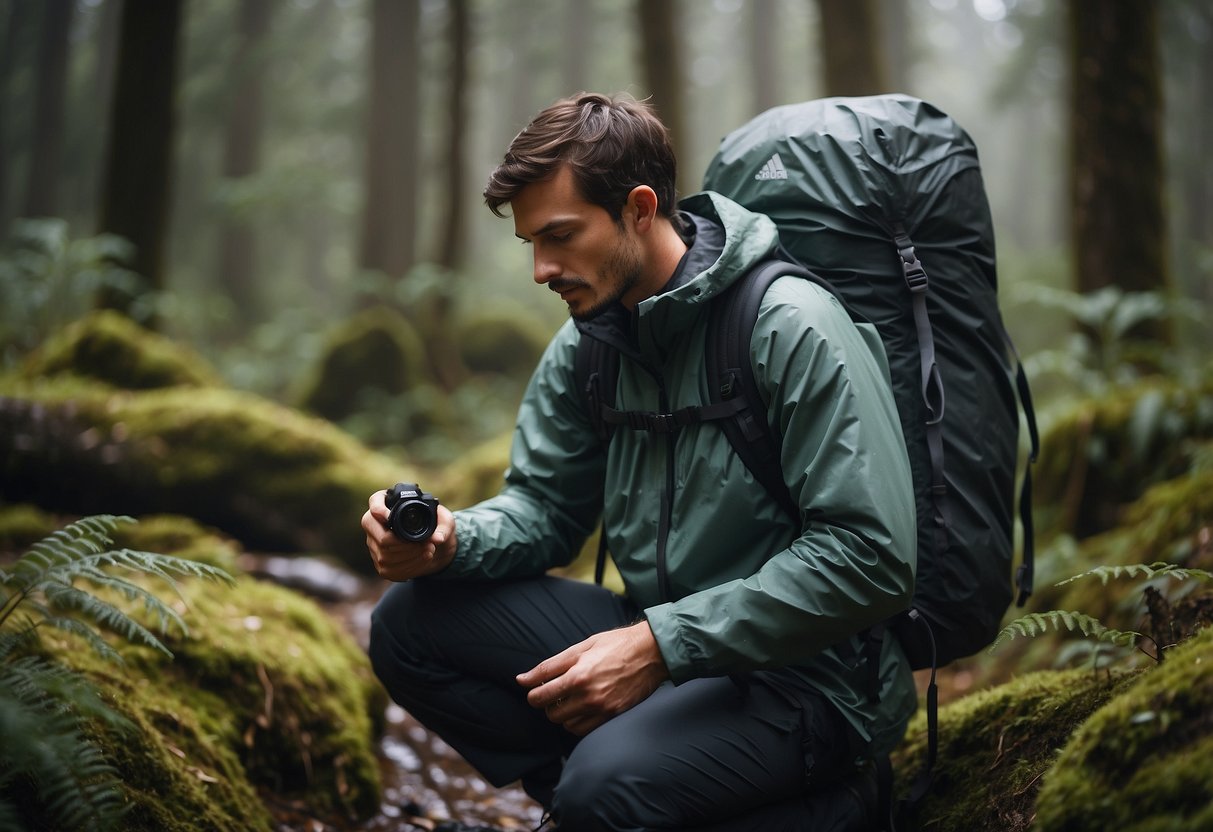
731 375
596 374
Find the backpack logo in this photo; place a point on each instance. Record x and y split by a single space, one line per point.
773 169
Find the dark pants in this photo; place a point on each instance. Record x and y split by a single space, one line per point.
710 754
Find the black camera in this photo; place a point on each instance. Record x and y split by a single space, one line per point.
413 514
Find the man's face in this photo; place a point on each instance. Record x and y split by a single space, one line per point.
580 252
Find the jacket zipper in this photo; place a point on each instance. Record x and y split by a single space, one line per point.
666 517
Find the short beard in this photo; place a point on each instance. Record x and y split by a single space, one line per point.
622 273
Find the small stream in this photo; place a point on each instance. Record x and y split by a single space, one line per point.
424 780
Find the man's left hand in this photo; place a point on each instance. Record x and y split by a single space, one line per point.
597 679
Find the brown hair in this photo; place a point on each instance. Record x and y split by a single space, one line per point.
611 144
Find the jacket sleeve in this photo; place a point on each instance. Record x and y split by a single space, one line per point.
552 495
852 562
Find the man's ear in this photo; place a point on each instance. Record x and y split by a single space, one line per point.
642 205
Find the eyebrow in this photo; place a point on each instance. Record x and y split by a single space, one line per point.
546 227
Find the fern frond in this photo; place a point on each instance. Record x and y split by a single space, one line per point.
105 614
1140 570
45 576
41 708
86 536
1036 623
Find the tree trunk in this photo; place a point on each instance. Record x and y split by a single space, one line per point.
851 48
443 353
1116 170
451 249
42 184
242 156
390 174
764 78
14 27
136 192
578 25
896 20
662 59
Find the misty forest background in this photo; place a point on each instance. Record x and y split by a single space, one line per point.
246 277
278 165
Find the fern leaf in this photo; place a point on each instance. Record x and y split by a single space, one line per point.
41 707
1037 623
104 614
1140 570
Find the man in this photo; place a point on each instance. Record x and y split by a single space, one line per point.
728 689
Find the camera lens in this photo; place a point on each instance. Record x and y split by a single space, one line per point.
415 518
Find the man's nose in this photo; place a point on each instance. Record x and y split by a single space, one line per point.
545 269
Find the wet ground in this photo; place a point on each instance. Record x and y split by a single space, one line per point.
424 780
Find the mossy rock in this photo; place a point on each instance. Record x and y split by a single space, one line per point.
268 476
23 525
1144 761
266 699
1169 523
1102 454
109 347
996 744
377 349
502 339
478 473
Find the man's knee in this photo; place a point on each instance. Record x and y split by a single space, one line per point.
601 789
393 631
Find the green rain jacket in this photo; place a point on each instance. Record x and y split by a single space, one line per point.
727 582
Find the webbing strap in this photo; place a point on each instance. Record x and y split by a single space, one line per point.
1025 575
652 422
931 382
908 805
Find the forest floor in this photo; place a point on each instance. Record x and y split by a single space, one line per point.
424 780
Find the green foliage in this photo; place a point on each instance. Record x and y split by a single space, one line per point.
48 279
1103 353
1139 570
1038 623
53 774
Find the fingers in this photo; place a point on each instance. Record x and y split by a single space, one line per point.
541 675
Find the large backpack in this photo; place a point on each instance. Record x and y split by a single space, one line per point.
882 199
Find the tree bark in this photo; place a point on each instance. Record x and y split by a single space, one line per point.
1118 223
764 78
853 61
14 26
451 249
46 151
389 212
662 60
443 352
242 155
136 192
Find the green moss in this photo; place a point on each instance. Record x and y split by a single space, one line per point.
265 697
995 745
1103 453
110 347
182 537
1144 761
504 339
477 474
23 525
269 476
377 349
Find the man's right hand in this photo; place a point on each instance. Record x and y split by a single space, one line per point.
399 560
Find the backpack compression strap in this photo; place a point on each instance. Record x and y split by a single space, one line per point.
931 383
